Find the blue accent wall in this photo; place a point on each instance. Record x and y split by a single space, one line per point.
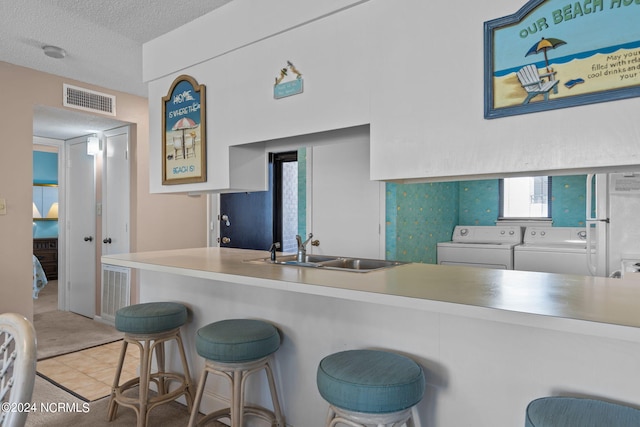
418 216
45 167
45 171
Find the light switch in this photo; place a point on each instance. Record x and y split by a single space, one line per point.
3 207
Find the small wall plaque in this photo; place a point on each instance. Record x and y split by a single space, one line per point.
286 84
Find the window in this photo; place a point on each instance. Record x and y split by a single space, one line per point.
526 197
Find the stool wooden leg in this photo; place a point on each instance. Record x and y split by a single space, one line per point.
159 350
113 405
145 372
274 395
237 399
196 401
330 415
187 374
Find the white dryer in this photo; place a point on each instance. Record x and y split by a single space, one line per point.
553 250
481 246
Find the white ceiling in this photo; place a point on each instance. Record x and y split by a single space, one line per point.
103 41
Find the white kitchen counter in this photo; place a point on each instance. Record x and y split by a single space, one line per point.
490 340
594 299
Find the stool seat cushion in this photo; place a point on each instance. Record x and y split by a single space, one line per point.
370 381
151 318
237 340
579 412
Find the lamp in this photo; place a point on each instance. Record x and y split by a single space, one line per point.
93 145
53 211
36 212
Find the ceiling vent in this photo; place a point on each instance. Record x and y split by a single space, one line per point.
88 100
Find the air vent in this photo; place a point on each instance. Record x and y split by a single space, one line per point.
88 100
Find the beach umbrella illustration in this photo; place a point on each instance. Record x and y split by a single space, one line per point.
184 123
543 46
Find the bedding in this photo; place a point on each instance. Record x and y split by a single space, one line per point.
39 278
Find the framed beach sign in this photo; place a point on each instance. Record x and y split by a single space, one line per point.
183 133
560 53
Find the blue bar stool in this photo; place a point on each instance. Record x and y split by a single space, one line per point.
149 326
235 349
579 412
365 387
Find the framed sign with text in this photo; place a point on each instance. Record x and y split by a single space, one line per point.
183 133
560 53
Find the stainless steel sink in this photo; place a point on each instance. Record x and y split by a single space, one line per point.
360 265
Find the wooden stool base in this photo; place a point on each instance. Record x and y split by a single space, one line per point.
143 403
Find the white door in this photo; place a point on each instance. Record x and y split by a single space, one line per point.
115 192
346 206
80 229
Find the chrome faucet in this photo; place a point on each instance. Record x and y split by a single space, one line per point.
302 247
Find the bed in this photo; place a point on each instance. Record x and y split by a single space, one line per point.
39 278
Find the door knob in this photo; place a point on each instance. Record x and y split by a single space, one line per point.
226 240
225 218
107 240
88 239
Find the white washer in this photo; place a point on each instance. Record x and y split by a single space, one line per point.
481 246
553 250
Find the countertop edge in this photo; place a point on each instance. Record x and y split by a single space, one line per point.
522 318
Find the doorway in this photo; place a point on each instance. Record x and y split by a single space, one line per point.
59 127
256 220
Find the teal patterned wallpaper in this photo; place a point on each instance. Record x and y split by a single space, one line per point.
479 202
569 198
418 216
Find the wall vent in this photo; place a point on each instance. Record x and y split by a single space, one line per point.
116 288
88 100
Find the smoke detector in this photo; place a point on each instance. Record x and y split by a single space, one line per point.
54 52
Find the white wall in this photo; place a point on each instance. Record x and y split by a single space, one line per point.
429 122
240 107
413 69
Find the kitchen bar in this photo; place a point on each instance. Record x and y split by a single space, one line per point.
490 340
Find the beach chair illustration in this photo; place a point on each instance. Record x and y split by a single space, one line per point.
535 84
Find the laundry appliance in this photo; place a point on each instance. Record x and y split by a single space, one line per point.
553 250
481 246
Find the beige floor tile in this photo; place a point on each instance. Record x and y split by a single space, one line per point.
107 356
72 377
53 371
92 391
70 358
90 373
50 366
91 365
105 375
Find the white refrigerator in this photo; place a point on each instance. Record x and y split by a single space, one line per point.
613 223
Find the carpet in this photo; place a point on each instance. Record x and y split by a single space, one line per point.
62 332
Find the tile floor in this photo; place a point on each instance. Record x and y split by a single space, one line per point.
89 373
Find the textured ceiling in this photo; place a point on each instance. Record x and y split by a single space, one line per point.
103 39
